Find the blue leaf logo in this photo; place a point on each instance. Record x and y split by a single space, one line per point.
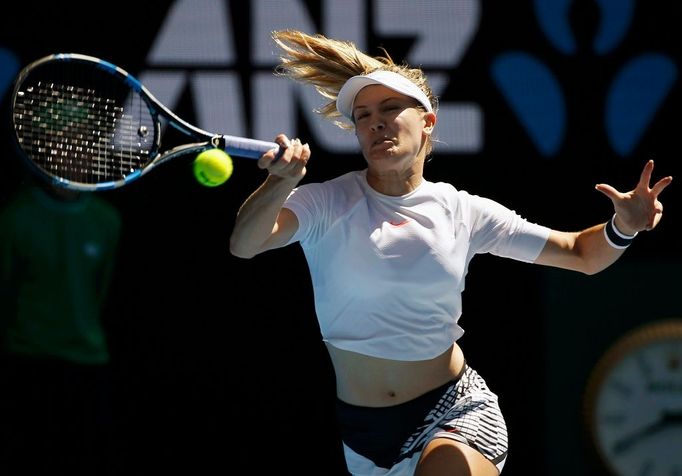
533 91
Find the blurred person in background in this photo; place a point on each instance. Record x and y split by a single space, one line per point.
57 254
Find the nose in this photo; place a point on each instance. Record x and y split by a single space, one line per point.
377 125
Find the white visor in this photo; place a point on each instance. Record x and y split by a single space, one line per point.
394 81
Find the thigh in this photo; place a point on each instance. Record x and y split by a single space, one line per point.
444 457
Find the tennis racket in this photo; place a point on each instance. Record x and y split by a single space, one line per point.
87 124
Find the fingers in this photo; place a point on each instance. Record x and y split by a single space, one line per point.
608 190
645 177
642 186
655 216
661 185
271 157
295 153
289 161
283 140
639 209
266 159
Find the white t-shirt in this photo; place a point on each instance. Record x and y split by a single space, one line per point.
388 272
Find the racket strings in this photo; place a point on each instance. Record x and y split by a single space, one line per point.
75 133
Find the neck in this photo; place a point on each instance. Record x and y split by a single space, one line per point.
393 182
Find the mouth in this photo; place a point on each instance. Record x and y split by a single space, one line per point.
383 141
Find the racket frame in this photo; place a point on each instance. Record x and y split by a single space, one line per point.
202 139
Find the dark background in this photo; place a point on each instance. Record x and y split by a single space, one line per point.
218 360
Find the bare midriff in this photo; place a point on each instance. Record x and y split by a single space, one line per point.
375 382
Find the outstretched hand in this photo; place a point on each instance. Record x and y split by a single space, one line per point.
639 209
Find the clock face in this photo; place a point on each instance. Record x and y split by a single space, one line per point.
637 410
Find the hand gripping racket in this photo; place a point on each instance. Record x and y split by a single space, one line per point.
87 124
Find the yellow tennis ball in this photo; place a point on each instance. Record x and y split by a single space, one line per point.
213 167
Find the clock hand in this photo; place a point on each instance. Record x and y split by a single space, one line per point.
626 442
667 419
673 418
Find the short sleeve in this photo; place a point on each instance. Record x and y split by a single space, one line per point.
501 231
306 202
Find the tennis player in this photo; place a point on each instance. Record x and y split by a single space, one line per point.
388 252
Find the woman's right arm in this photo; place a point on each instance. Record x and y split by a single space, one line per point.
262 224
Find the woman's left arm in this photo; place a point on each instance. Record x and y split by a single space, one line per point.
591 250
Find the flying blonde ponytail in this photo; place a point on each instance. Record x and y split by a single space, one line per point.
327 64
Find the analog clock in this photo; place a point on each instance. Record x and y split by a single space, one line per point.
633 402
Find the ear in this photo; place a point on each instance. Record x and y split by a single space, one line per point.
429 122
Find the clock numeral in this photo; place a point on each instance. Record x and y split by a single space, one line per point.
668 387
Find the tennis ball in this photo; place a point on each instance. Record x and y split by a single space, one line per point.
213 167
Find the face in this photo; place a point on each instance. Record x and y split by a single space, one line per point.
390 128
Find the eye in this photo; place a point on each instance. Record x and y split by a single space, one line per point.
392 108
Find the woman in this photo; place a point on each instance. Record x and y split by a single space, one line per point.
388 252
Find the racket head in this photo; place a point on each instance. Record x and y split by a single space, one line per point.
83 123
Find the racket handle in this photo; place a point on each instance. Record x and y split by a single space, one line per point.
247 148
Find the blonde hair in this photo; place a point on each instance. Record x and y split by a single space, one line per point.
327 64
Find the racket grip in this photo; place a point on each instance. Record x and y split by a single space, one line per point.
247 148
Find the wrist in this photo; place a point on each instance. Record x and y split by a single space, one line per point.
283 182
616 238
622 228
